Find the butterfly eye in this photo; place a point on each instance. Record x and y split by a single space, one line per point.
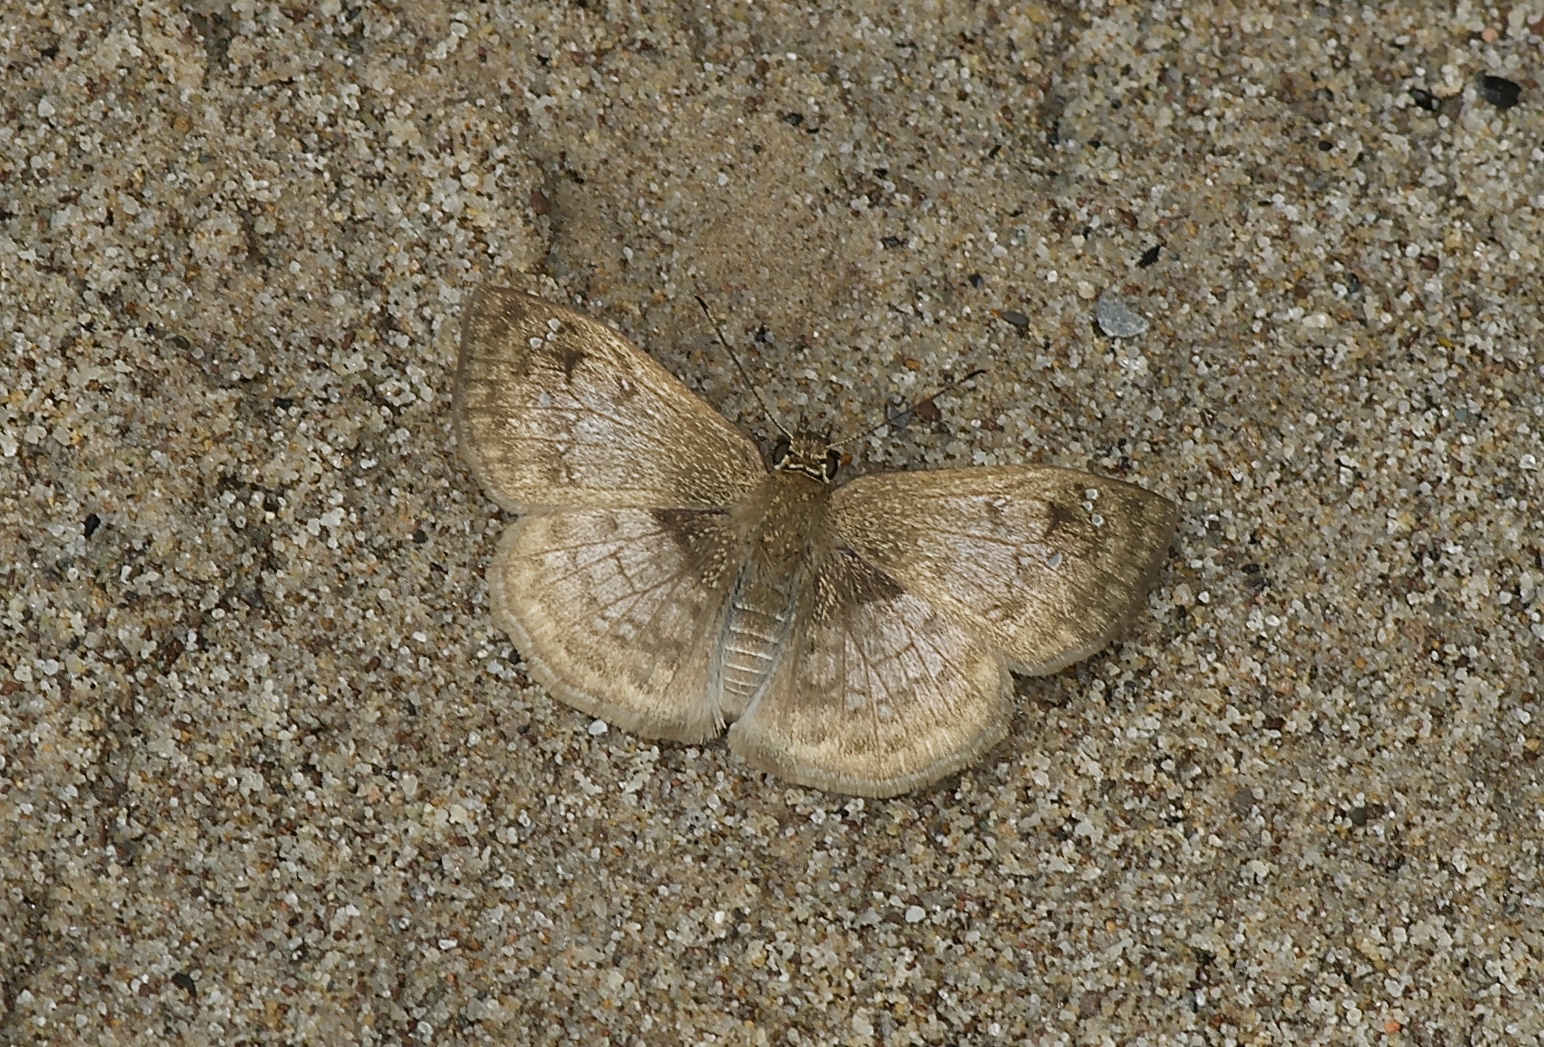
833 462
780 450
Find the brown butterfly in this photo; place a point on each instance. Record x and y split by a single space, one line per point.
856 637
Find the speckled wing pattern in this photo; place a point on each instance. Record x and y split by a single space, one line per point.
1046 565
557 411
859 638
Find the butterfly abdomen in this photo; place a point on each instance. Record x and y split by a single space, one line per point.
754 633
761 605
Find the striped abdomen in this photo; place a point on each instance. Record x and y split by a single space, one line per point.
754 634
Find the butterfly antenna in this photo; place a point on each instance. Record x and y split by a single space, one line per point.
892 418
738 366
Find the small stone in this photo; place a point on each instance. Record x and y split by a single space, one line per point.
1117 319
1499 91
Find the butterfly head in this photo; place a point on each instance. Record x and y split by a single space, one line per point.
808 454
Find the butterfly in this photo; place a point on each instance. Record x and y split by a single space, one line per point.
852 636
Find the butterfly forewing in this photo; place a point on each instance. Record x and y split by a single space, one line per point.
1046 564
557 411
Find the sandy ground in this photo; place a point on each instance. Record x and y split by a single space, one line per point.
268 771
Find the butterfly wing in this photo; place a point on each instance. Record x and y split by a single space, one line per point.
556 411
618 611
877 692
613 582
1046 565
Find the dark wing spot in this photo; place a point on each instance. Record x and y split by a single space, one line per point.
1058 516
862 582
569 359
686 527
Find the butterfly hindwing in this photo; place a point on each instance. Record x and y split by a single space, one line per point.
618 611
877 692
556 411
